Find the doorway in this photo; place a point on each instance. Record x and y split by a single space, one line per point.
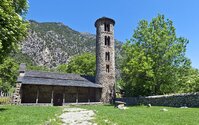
58 99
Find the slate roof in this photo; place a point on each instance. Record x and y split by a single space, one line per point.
104 18
58 79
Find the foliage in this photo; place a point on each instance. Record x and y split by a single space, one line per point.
189 82
142 115
62 68
20 6
84 64
12 27
28 115
8 74
38 68
20 57
5 100
152 59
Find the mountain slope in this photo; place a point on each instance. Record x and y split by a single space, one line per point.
51 44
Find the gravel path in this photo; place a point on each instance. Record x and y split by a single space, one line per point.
77 116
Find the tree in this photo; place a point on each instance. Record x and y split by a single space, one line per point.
152 58
39 68
189 82
8 74
62 68
13 27
82 64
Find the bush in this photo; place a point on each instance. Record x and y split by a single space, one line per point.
5 100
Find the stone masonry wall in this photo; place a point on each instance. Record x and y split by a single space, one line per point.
176 100
106 79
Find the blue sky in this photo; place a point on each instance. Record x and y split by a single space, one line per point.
80 15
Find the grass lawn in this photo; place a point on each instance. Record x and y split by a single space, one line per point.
27 115
141 115
105 115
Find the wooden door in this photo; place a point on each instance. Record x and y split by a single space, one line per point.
58 99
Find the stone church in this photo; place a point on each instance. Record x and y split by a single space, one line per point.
49 88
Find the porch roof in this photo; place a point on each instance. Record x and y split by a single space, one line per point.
57 79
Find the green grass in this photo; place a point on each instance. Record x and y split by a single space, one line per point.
28 115
141 115
135 115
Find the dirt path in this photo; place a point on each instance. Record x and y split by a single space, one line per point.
77 116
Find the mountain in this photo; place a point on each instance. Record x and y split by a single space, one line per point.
50 44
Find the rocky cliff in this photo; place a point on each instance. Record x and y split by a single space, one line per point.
50 44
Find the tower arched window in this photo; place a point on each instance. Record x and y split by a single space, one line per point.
106 27
107 68
107 40
107 56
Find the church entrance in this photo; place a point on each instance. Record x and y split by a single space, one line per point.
58 99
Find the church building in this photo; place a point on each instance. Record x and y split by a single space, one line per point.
49 88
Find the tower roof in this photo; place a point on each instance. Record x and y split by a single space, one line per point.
104 19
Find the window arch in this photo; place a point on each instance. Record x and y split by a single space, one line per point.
107 56
106 27
107 68
107 40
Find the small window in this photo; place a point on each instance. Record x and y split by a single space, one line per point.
107 56
106 27
107 40
107 68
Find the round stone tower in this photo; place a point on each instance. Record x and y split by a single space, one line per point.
105 58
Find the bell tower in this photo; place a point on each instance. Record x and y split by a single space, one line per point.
105 58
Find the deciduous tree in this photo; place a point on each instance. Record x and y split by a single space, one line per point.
13 27
82 64
8 74
152 58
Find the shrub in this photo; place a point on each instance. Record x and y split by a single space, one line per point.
5 100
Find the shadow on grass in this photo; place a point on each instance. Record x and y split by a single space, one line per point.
3 109
109 105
